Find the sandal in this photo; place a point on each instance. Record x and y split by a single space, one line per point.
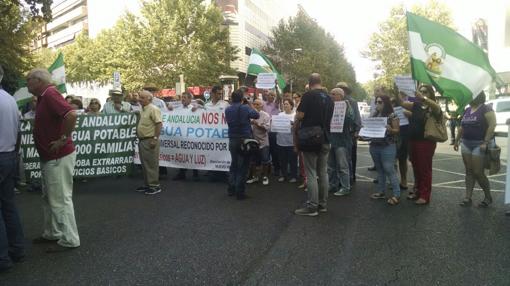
393 201
466 202
421 202
378 196
412 196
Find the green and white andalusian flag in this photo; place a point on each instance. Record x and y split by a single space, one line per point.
259 63
58 73
458 68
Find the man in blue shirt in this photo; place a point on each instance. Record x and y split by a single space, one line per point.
12 247
238 116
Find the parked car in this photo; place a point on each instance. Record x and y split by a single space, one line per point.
502 108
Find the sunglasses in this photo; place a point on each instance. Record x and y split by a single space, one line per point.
424 91
379 102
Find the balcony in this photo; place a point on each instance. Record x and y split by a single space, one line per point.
62 7
66 35
66 18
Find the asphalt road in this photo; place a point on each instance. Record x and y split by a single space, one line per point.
193 234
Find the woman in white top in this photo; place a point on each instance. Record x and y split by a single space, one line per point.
286 154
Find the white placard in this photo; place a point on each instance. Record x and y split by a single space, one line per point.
116 80
399 111
337 121
280 123
373 127
406 84
266 80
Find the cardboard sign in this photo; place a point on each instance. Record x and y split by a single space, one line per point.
266 80
406 84
373 127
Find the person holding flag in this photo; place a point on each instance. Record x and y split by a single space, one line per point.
456 67
421 149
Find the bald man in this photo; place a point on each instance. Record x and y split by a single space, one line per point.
148 130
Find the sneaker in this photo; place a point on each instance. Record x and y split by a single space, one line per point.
322 209
252 180
306 211
17 191
342 192
281 179
265 181
142 189
293 180
153 191
302 186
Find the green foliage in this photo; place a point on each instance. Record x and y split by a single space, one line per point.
389 46
44 57
320 53
171 37
17 28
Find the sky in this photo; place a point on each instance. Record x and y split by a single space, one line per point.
353 22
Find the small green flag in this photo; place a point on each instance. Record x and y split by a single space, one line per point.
58 73
458 68
259 63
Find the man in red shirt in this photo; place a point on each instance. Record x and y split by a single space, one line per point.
54 121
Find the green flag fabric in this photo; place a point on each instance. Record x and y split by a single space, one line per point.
58 73
259 63
455 66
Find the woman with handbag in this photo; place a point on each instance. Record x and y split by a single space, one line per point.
384 151
421 148
475 134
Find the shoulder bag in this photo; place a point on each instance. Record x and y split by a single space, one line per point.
435 127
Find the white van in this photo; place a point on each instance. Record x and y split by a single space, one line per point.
502 108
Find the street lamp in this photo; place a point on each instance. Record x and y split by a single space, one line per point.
291 79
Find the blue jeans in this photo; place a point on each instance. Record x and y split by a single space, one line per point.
384 157
238 167
288 158
338 169
11 232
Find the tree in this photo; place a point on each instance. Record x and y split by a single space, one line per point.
17 28
171 37
317 52
389 46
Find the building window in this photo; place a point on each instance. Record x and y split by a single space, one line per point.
247 51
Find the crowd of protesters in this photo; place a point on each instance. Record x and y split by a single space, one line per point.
257 153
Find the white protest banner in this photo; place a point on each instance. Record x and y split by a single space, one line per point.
266 80
338 119
280 123
399 111
373 127
406 84
193 140
104 145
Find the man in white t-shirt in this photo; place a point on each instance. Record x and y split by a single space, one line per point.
216 103
12 247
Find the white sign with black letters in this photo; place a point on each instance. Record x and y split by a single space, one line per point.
399 111
280 123
338 119
373 127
